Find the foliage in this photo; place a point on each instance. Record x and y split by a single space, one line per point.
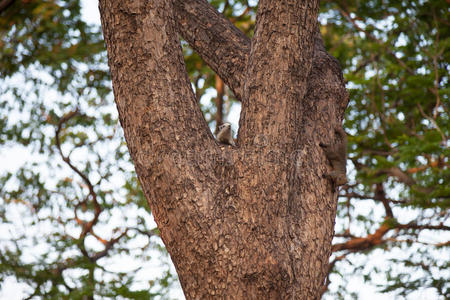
57 112
395 58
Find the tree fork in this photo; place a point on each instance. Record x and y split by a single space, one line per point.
251 222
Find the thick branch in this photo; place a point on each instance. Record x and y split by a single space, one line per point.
221 45
169 141
279 65
4 4
147 31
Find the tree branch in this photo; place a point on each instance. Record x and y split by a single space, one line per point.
167 98
344 11
4 4
330 267
109 244
220 44
414 225
281 56
364 243
381 194
375 198
86 226
372 240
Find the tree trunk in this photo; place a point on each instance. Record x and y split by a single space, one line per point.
253 221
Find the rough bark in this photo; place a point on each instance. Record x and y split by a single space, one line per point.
248 222
221 45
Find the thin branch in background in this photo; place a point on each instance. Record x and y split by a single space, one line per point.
375 239
108 246
415 241
87 226
381 194
348 214
4 4
346 15
433 90
444 138
220 88
366 62
432 163
382 114
363 243
330 268
246 11
380 152
345 235
225 7
414 225
399 174
435 66
374 198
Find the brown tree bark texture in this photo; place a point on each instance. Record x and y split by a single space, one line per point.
248 222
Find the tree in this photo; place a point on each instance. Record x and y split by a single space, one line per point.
255 221
394 58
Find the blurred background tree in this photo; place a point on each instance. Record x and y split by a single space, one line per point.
74 220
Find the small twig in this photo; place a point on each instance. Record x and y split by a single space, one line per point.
375 198
108 246
87 226
444 138
414 225
330 268
394 240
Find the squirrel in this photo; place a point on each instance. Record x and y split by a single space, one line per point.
337 155
225 135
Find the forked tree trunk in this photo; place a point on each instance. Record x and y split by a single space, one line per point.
253 221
